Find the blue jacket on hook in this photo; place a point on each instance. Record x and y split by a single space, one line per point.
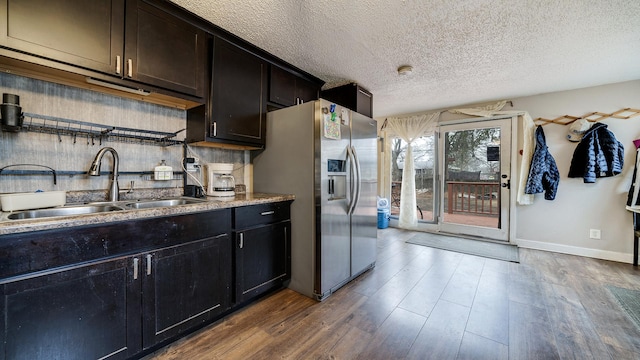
543 173
598 154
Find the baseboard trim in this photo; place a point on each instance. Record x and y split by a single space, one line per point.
575 250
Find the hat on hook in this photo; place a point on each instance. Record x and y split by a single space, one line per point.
577 130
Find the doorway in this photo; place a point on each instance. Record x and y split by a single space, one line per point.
475 165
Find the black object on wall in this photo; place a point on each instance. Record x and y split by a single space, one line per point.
11 113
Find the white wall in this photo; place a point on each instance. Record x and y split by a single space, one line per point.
563 224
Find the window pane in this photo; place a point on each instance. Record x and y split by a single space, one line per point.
424 163
472 178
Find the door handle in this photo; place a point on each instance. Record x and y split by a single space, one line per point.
129 68
352 182
135 268
213 131
241 243
118 65
507 184
148 264
358 179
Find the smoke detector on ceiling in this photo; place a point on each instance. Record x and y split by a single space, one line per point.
405 70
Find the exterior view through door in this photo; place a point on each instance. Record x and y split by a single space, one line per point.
471 194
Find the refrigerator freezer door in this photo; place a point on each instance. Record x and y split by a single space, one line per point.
333 244
364 219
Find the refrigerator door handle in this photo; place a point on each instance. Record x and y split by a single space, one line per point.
358 179
352 183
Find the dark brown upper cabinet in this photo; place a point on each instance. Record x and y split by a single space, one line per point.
157 47
88 34
163 50
287 89
352 96
235 114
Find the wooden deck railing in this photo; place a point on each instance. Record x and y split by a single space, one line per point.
473 197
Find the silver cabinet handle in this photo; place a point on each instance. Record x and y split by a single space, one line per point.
135 268
129 68
215 129
241 245
118 65
267 213
148 264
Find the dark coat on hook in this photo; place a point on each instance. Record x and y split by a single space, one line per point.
543 173
598 154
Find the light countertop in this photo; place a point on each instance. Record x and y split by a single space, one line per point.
212 203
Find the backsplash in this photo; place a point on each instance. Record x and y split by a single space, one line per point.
62 154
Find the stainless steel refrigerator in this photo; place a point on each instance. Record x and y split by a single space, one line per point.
326 155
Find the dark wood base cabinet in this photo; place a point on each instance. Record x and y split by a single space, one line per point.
161 278
262 258
185 286
116 307
89 312
262 249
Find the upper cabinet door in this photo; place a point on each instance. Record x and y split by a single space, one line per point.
282 87
238 95
306 90
163 50
288 89
83 33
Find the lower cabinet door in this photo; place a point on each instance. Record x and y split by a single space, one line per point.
263 259
184 286
87 312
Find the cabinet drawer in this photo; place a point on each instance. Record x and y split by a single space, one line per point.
248 216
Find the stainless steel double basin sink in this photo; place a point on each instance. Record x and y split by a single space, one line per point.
100 207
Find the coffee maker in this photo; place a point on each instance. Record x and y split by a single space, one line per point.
220 182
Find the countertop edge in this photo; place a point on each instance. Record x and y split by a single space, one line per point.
8 227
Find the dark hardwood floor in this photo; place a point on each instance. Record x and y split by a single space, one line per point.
425 303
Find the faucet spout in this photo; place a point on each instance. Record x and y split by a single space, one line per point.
94 170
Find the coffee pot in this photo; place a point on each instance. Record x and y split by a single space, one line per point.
220 182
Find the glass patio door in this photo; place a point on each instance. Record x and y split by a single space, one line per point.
475 161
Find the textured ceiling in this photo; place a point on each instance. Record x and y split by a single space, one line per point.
462 52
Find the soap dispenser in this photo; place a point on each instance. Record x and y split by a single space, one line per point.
163 171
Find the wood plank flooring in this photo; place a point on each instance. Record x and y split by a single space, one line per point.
425 303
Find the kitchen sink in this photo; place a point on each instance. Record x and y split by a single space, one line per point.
63 211
146 204
100 207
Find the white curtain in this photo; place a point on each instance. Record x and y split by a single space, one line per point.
409 129
528 133
486 111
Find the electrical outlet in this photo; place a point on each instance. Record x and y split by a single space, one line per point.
594 233
192 164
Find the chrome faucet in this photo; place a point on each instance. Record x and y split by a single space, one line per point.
95 171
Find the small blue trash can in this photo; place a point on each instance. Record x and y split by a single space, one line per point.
383 218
